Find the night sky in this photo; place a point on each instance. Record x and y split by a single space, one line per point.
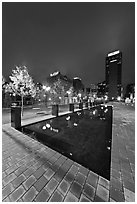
71 37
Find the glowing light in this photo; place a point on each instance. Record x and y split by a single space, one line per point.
113 60
46 88
55 130
77 78
113 53
119 98
44 127
94 95
68 92
71 154
79 94
49 99
106 97
48 125
98 98
108 148
127 100
75 124
94 112
54 73
106 110
68 118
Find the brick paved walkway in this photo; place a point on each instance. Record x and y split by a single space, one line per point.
34 172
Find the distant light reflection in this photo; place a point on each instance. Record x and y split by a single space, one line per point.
48 125
68 118
75 124
44 127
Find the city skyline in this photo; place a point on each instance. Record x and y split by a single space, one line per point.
73 38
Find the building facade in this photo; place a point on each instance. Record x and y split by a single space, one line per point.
94 90
78 85
101 92
130 91
113 74
61 86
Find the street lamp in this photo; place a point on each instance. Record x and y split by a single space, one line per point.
46 88
68 92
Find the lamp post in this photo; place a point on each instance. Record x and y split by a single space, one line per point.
46 89
69 96
22 96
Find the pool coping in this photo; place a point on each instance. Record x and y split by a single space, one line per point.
46 117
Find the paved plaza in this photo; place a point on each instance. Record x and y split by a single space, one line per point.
34 172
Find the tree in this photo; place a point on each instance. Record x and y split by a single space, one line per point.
57 91
38 87
70 93
60 87
3 81
130 89
6 93
3 91
22 83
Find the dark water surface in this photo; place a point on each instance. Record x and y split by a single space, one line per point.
84 136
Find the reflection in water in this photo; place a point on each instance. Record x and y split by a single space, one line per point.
55 130
108 148
48 125
68 118
74 120
75 124
44 127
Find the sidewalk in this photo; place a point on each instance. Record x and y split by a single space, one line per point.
34 172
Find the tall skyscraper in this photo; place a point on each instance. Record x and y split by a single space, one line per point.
114 74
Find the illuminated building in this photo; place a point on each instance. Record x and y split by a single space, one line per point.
57 75
101 89
130 91
78 85
63 85
113 74
94 90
